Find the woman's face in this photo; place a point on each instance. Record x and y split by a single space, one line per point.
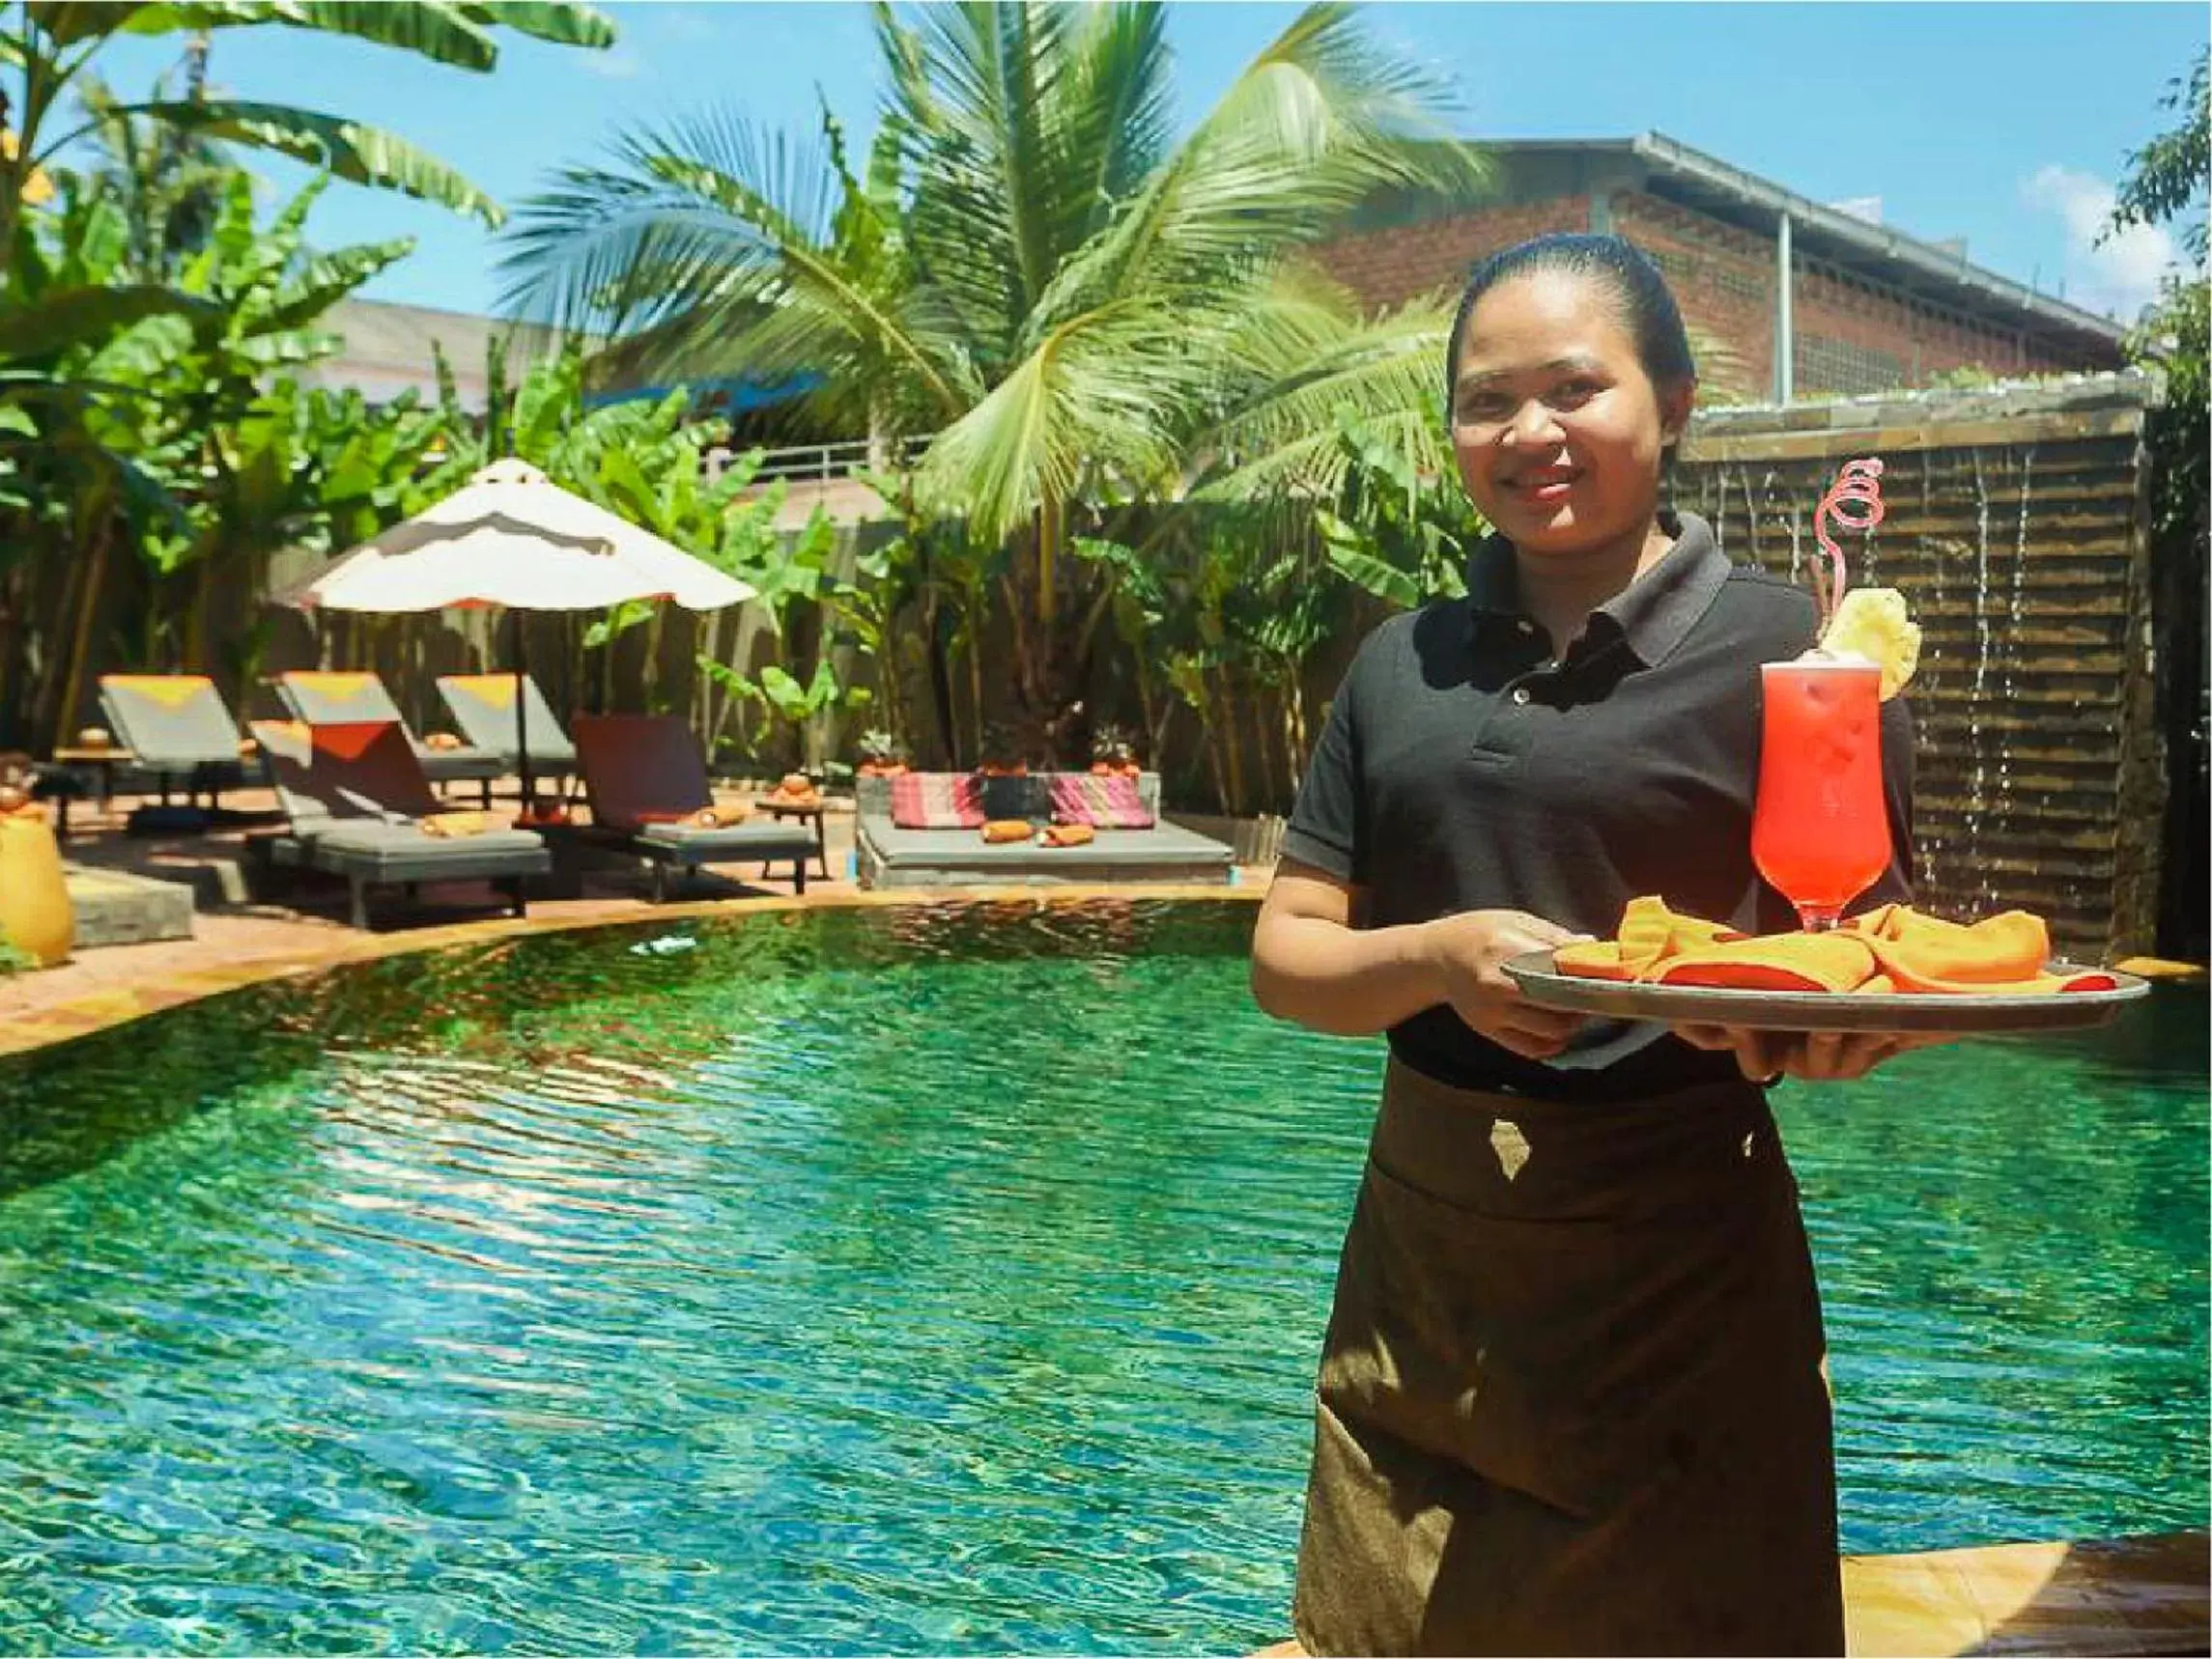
1557 428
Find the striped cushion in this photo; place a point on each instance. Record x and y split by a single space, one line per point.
1102 802
936 800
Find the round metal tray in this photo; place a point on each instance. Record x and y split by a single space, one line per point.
1824 1010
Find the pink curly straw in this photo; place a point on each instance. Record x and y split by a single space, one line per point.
1858 487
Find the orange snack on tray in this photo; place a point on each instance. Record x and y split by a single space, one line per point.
1774 962
1650 934
1599 959
1891 950
2004 953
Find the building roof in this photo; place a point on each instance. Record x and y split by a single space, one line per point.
389 349
1672 171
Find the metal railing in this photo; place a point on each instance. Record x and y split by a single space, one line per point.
815 463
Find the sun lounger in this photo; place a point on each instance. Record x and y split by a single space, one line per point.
178 730
346 698
645 780
892 857
355 796
483 706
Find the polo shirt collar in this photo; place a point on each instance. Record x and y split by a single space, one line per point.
1654 613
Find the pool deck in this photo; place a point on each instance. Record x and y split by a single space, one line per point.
238 941
2126 1596
2123 1596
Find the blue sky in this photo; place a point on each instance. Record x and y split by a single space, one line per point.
2005 124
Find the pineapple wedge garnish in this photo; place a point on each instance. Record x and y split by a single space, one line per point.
1871 624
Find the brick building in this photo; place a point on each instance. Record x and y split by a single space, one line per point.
1862 307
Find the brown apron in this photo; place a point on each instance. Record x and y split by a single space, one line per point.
1571 1398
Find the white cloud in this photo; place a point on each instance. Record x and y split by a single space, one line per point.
615 65
2120 274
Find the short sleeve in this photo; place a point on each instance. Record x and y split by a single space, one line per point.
1325 824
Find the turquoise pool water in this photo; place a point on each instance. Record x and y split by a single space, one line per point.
907 1282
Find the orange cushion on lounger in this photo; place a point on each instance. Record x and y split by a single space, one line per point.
1008 830
1067 834
453 825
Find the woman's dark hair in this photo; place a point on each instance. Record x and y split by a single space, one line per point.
1622 270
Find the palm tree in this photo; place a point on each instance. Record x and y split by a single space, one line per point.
1033 268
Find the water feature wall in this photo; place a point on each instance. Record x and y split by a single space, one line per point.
2016 529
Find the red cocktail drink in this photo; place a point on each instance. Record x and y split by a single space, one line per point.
1820 832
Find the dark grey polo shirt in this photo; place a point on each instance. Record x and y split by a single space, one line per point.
1461 768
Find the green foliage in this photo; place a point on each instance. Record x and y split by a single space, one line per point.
1088 312
1399 535
2166 177
53 44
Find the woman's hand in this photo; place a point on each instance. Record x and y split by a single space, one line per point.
1815 1057
1467 954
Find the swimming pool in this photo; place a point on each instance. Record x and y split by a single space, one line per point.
907 1280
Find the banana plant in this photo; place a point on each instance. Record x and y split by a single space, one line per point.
48 45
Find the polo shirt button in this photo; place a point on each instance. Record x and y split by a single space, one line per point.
1520 693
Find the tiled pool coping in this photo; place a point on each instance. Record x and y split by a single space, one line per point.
39 1027
2123 1596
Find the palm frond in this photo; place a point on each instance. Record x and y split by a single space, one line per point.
1312 127
708 247
1095 397
346 149
1305 368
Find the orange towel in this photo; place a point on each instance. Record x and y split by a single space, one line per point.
441 741
720 817
1067 834
450 825
1008 830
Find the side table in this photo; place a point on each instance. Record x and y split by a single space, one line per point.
103 762
781 809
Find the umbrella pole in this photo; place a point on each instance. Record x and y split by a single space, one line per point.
521 706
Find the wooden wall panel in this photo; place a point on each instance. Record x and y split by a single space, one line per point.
2017 536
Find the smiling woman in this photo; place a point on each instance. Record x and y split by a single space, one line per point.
1569 1396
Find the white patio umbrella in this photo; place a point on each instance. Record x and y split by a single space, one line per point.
512 537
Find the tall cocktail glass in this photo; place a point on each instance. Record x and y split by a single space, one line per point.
1820 831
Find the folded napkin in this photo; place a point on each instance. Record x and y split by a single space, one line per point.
451 826
1066 834
1008 830
1891 950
